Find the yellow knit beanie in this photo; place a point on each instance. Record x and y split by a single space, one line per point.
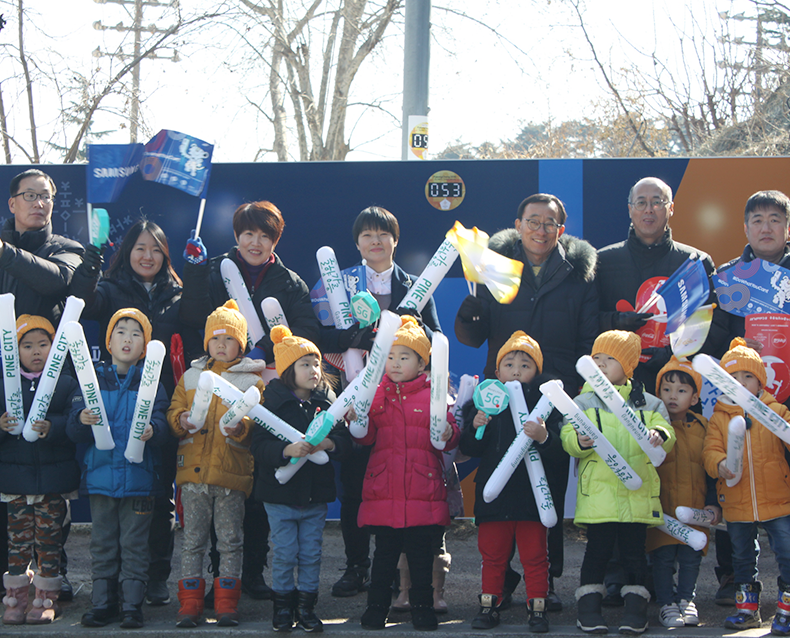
26 323
624 346
742 358
520 341
130 313
288 348
678 365
412 336
226 320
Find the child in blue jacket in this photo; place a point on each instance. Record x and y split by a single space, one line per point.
121 492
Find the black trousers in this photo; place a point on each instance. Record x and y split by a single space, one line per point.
355 539
601 540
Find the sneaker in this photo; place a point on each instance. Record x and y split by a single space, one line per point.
689 612
725 596
353 581
553 601
743 619
157 593
670 616
488 615
780 626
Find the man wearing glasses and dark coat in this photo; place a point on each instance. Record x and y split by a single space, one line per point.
35 264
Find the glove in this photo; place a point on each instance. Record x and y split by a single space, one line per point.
195 252
92 260
471 309
411 312
659 357
630 321
356 337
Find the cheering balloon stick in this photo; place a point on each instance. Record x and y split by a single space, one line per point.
339 305
201 402
273 313
237 290
576 417
86 376
490 397
146 395
694 516
520 447
426 284
12 379
685 534
229 394
440 374
735 447
239 409
591 373
52 368
466 389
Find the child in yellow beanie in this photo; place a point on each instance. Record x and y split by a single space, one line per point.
604 505
297 509
762 495
404 497
214 471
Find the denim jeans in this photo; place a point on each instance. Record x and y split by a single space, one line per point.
664 559
297 534
745 552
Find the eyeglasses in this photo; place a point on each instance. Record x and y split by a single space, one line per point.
30 196
642 204
549 227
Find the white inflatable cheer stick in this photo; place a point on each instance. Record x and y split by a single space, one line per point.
339 305
262 417
12 380
144 405
576 417
273 313
466 389
426 284
440 373
694 516
685 534
239 409
51 373
201 402
89 384
735 446
588 369
237 290
750 404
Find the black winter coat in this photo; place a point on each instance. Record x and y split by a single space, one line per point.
561 315
104 297
37 268
516 502
49 465
313 483
204 291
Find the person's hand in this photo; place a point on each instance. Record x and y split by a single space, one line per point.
147 433
327 444
585 442
92 260
195 252
7 422
448 433
87 417
411 312
481 419
356 337
42 427
630 321
716 511
236 430
298 449
471 309
654 438
183 421
536 430
724 472
659 357
754 344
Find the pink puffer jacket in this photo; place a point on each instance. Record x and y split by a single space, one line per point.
404 482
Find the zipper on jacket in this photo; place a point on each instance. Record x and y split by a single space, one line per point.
751 474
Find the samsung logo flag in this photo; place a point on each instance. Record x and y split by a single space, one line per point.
120 171
109 168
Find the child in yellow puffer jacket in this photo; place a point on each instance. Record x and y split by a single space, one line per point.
214 470
762 495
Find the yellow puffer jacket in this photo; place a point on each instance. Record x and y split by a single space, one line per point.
683 477
763 493
208 456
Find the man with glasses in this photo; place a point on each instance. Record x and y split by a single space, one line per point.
35 264
557 305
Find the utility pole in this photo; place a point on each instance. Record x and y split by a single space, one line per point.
138 29
416 64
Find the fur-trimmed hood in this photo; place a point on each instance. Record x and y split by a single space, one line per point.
577 252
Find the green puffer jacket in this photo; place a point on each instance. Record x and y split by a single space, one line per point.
600 496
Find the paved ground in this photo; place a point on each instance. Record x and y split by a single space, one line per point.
341 615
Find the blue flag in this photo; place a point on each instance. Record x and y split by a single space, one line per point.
178 160
684 292
754 287
109 168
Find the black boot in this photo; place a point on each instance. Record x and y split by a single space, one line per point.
588 609
305 614
512 579
423 616
133 592
105 603
635 599
488 615
538 621
375 616
283 611
353 581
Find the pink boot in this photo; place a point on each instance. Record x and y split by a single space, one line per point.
15 600
45 605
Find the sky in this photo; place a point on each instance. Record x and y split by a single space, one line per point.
504 65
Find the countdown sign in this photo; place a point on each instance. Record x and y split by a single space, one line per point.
418 137
445 190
